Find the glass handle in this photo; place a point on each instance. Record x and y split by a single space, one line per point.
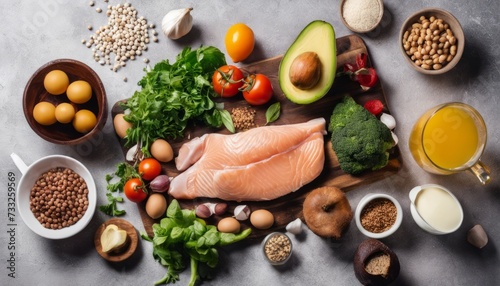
482 172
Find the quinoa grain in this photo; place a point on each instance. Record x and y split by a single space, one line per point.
243 118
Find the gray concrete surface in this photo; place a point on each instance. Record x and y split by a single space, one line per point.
35 32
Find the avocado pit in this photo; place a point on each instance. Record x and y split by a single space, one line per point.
305 70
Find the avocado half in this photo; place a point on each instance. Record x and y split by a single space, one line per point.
318 37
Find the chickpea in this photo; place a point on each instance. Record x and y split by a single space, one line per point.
430 43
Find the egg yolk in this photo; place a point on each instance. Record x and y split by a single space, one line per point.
56 82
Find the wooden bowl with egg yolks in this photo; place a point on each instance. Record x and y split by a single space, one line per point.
35 92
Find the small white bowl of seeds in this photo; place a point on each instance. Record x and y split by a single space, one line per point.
56 196
277 248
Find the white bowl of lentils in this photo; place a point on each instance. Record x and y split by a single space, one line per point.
56 196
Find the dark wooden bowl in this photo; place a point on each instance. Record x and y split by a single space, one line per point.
127 250
35 92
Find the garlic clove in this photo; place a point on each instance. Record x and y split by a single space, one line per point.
241 212
294 227
177 23
131 153
388 120
203 211
395 138
112 238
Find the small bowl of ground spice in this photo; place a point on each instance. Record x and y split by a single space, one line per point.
277 248
361 16
378 215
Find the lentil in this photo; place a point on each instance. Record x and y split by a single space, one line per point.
429 37
278 248
59 198
378 215
243 118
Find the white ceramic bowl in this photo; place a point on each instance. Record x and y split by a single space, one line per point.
31 174
418 218
361 205
379 3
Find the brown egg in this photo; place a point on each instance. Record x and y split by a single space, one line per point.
79 91
121 125
156 205
229 225
262 219
161 151
56 82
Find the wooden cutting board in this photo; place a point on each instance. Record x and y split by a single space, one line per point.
289 207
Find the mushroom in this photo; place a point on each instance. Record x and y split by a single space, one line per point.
375 264
327 212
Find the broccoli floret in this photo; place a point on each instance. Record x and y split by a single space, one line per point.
360 141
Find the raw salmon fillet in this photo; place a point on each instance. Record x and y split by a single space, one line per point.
263 163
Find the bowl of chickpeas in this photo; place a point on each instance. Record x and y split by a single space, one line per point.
432 41
56 196
64 102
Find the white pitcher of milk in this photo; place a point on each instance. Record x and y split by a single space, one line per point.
435 209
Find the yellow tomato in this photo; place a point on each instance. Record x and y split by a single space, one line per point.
45 113
79 91
65 112
56 82
84 121
239 41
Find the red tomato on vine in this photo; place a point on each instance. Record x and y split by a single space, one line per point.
227 80
258 89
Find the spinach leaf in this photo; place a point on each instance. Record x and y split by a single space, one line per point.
181 236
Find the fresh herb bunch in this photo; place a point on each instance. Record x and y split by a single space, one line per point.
181 235
175 95
123 172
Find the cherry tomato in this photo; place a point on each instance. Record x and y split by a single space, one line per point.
374 106
134 190
227 80
239 42
258 89
149 168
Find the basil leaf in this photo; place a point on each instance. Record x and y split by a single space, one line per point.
227 120
273 112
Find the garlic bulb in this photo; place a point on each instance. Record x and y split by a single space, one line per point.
177 23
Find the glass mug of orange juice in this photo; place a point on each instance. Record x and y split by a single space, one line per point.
450 138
